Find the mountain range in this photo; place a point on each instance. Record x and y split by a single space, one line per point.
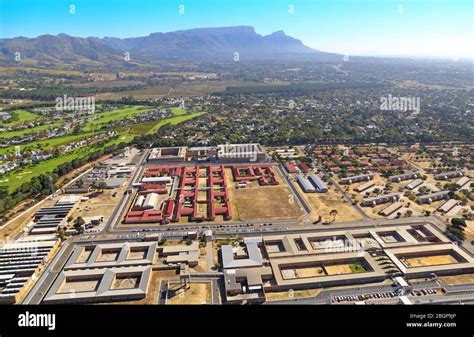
195 45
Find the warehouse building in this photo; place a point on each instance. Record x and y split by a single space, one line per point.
364 186
381 199
414 184
449 175
318 183
390 209
305 184
405 176
18 263
463 183
355 179
448 205
151 201
429 198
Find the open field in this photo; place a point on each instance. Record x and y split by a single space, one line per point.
424 261
458 279
257 202
338 269
153 287
113 115
79 286
125 282
194 88
284 295
175 120
309 272
198 293
323 203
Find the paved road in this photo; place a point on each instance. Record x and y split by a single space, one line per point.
456 293
209 256
47 278
117 213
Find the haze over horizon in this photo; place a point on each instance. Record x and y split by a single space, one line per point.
386 28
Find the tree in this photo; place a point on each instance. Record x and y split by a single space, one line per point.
78 224
334 214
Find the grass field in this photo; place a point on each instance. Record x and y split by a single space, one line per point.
175 120
22 116
47 143
113 115
13 180
23 132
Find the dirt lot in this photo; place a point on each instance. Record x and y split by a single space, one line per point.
309 272
131 282
256 202
79 286
469 231
15 227
429 261
154 286
103 205
458 279
323 203
198 293
284 295
338 269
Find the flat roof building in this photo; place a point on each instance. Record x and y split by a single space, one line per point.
429 198
167 154
414 184
449 175
402 177
355 179
391 208
448 205
381 199
236 257
364 186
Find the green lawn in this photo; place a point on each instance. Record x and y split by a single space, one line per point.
113 115
175 120
47 143
178 111
14 180
22 116
23 132
357 268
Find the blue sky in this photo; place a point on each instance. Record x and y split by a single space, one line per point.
437 28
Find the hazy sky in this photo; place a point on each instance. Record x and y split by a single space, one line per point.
437 28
